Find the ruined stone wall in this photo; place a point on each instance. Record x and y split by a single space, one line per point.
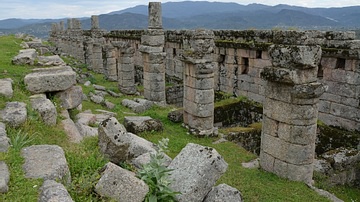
241 56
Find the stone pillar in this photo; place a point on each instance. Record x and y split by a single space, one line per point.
95 22
97 60
199 83
69 24
110 69
126 69
152 49
291 111
62 26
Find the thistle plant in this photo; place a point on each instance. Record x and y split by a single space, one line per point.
156 176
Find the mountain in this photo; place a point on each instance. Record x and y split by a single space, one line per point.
211 15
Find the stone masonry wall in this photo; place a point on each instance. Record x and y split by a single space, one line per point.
241 55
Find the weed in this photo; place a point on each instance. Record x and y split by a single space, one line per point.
20 140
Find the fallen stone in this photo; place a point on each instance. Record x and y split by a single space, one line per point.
87 83
143 159
134 106
6 87
195 170
4 177
252 164
109 105
71 97
4 140
96 98
47 162
113 94
176 116
71 130
100 93
86 131
45 107
138 124
326 194
121 185
50 79
146 103
65 114
54 191
98 87
85 118
223 192
14 114
25 57
53 60
119 145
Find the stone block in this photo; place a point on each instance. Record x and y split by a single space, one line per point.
199 109
266 161
53 164
176 116
270 126
195 170
6 87
199 96
50 79
26 56
121 185
155 96
53 60
4 140
223 192
133 105
71 98
71 130
347 112
328 63
14 114
346 90
302 173
4 177
46 109
53 191
289 76
138 124
119 145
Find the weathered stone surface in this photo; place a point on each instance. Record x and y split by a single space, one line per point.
121 185
85 118
6 87
145 158
135 106
290 56
50 79
86 131
4 177
98 87
14 114
138 124
26 56
71 97
109 104
71 130
53 60
45 161
98 99
54 192
195 170
4 140
176 116
155 16
223 192
45 107
119 145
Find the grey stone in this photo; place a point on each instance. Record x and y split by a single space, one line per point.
26 56
135 106
176 116
138 124
139 161
85 118
109 104
96 98
195 170
251 164
71 130
50 79
4 140
98 87
121 185
86 131
113 94
119 145
71 97
327 194
14 114
6 87
4 177
223 192
53 60
103 115
45 107
47 162
87 83
54 192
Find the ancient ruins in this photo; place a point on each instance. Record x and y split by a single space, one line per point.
298 76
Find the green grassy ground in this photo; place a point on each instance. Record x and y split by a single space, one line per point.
85 160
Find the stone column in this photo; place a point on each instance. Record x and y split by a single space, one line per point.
291 111
152 49
126 69
110 69
95 22
199 83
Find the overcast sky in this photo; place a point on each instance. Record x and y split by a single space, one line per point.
40 9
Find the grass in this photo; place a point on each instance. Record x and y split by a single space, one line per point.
85 160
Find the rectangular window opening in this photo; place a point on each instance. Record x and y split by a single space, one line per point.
258 54
340 63
245 65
